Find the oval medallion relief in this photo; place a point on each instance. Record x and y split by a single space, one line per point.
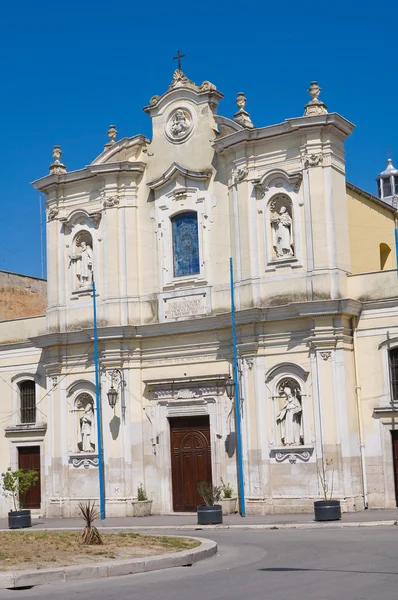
179 125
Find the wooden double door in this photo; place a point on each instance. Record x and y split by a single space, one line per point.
29 458
190 460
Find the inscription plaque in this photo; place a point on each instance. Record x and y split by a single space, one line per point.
183 307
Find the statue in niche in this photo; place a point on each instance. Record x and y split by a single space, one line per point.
282 234
290 415
84 261
179 124
87 437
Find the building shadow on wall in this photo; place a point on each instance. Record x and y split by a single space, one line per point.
230 444
114 426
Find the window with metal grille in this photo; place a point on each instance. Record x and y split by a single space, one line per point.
394 373
28 401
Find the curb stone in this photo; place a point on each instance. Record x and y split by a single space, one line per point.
309 525
17 579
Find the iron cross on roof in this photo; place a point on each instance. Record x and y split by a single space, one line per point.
179 57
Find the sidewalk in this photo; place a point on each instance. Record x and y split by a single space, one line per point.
188 521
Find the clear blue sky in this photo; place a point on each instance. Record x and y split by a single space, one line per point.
70 69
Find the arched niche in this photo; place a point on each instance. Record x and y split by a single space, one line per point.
280 218
82 260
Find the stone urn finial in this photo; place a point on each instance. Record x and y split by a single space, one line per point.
112 134
57 168
314 90
57 153
242 116
241 100
315 106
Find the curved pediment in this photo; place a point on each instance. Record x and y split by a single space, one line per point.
176 170
269 177
283 368
122 150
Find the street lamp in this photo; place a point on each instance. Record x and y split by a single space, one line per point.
230 387
113 391
112 396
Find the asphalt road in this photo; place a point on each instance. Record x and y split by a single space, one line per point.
330 564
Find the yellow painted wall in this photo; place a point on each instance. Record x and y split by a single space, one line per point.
369 226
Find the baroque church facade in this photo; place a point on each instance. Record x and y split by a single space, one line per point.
155 222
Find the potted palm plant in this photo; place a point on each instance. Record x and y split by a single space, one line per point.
15 485
142 507
228 500
327 509
209 513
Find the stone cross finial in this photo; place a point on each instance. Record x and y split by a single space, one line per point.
242 117
315 106
112 134
57 168
179 57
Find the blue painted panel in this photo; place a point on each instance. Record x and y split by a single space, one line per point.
185 244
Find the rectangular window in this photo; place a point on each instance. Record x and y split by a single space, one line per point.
396 185
386 187
185 244
394 373
27 391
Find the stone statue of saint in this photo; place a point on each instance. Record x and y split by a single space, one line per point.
282 237
84 265
179 124
290 418
87 429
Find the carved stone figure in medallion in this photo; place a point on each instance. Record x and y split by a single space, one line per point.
179 125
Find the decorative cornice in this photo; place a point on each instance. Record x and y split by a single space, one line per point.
92 170
294 310
290 126
31 430
385 411
186 388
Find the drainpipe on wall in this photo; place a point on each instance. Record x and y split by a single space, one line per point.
359 411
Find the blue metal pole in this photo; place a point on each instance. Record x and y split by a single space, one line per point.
241 485
99 417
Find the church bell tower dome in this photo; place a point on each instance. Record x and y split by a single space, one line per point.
387 182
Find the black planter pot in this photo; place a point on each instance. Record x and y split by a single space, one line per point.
327 510
18 519
209 515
